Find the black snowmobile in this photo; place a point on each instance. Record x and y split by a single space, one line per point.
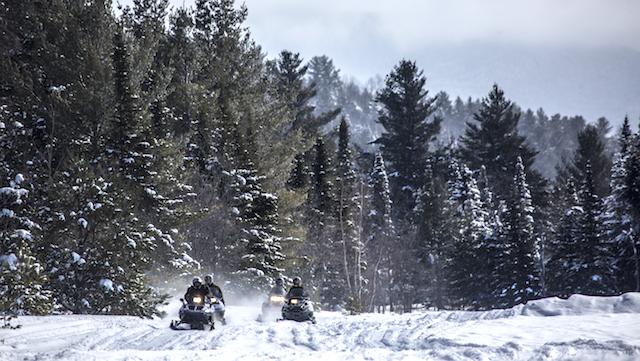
299 310
197 314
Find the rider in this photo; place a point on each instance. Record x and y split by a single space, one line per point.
278 289
296 291
214 290
196 288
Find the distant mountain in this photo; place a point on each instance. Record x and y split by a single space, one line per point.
592 82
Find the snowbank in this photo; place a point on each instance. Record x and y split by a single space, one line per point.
583 328
582 305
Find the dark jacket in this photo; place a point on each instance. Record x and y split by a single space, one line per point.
192 291
297 292
215 291
277 291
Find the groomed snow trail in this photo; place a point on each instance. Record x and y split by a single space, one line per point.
581 328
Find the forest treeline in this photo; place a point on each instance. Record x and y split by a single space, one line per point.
142 147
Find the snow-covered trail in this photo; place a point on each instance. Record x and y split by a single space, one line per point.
581 328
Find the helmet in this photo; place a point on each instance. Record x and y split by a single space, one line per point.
279 281
297 281
196 281
208 279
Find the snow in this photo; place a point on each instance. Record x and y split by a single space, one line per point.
579 328
9 260
83 223
77 258
106 283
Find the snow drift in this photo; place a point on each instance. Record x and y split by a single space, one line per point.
579 328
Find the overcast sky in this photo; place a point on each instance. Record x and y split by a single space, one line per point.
341 28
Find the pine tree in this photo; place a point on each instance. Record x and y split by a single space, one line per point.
518 280
591 149
405 113
347 208
380 233
299 173
22 276
467 268
564 247
594 264
321 242
618 218
326 78
257 215
432 233
493 141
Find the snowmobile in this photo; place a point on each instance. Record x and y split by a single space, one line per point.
299 310
271 308
197 314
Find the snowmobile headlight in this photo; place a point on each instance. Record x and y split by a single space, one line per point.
197 299
276 299
214 300
294 301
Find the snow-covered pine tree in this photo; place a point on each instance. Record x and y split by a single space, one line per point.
380 235
595 269
256 213
561 268
22 277
347 209
518 277
618 218
467 272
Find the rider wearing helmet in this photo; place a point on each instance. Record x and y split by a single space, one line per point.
196 288
297 291
278 289
214 290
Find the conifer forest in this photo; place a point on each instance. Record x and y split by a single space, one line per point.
141 145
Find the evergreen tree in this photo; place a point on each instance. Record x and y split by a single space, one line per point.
518 278
564 247
347 208
591 149
493 141
321 241
257 215
405 116
433 234
619 218
380 234
326 79
594 264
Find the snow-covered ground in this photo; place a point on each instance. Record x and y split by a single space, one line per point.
580 328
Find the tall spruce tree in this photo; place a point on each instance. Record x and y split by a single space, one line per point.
492 141
408 129
595 275
347 209
380 234
622 230
325 271
561 278
519 279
